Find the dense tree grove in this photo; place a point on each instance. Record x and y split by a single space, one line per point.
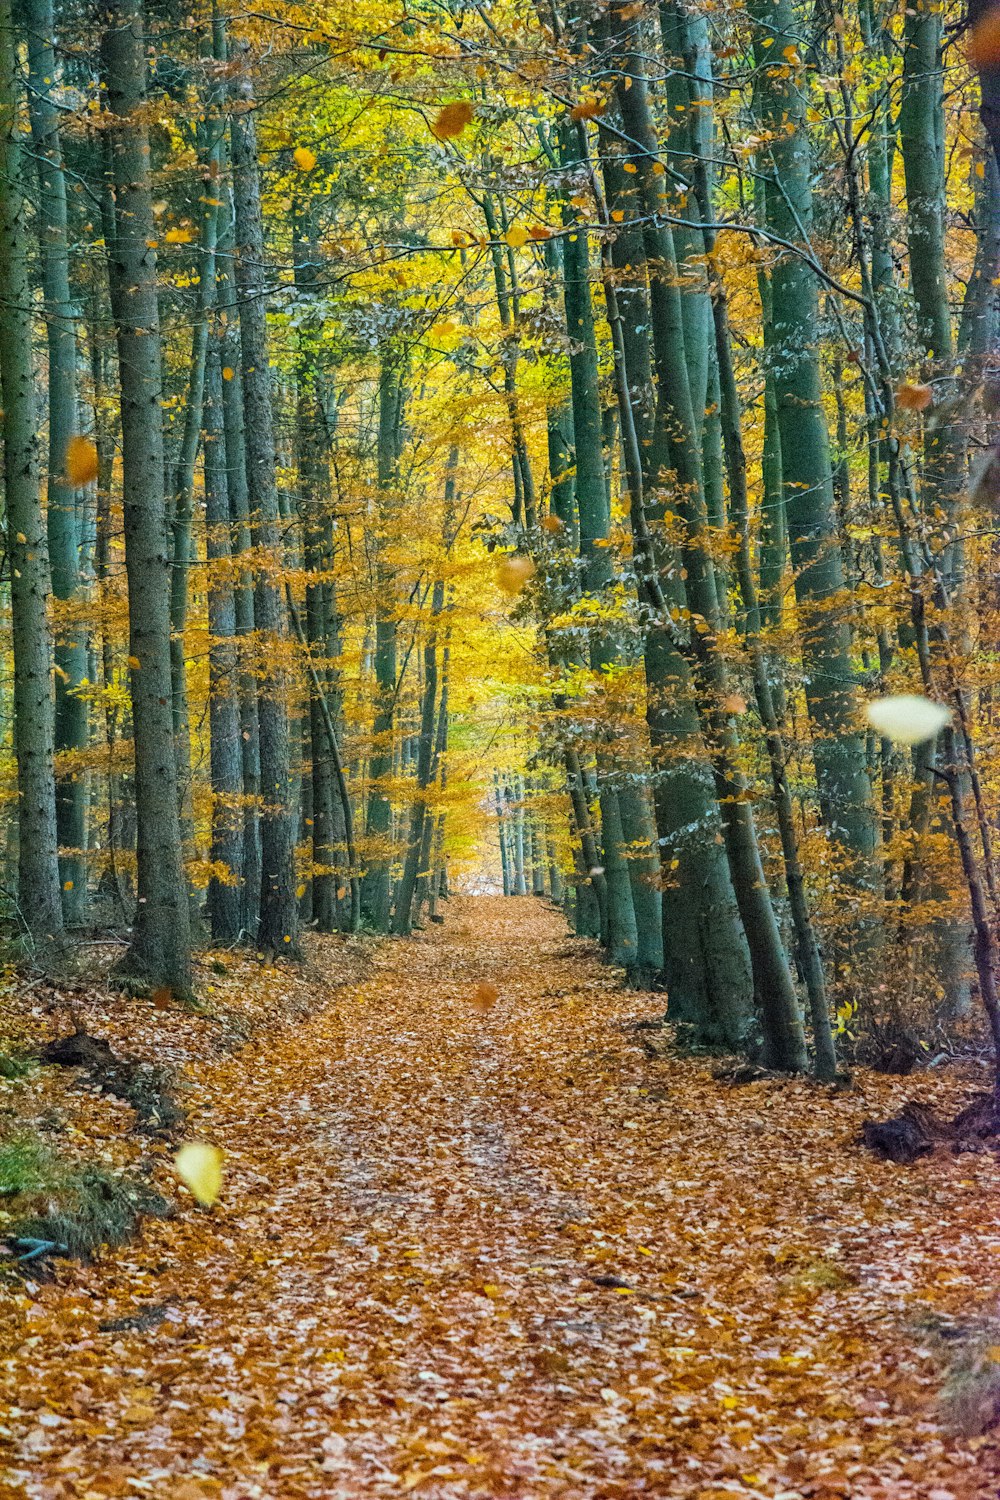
448 436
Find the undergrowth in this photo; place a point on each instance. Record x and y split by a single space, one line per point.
51 1207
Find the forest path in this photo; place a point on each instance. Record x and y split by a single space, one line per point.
466 1252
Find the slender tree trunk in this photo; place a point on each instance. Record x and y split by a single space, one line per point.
62 525
403 919
376 891
243 595
224 900
182 493
160 952
278 926
38 866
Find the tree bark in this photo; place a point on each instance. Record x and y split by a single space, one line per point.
160 951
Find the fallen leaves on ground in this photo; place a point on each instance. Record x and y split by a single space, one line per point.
507 1254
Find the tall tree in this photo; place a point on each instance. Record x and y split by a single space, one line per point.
278 925
161 941
62 523
38 868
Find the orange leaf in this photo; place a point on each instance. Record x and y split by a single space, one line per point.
514 572
914 397
983 47
587 109
303 158
452 119
485 997
551 524
81 460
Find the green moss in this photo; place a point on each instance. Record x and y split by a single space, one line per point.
57 1208
15 1065
26 1166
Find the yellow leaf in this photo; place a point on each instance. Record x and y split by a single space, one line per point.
617 214
180 236
21 537
303 158
80 461
134 663
516 236
629 166
227 372
300 892
452 119
199 1167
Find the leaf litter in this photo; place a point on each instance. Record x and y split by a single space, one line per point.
500 1251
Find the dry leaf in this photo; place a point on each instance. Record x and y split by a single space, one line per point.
452 119
983 46
914 397
513 572
80 462
484 997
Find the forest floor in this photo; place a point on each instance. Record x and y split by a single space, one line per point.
475 1249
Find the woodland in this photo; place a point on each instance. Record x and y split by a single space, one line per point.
500 748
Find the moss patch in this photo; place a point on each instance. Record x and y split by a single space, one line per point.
51 1207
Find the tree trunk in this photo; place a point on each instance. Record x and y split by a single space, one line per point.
62 525
38 866
376 889
277 929
160 951
831 689
224 900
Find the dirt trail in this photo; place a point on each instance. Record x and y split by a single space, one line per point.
505 1254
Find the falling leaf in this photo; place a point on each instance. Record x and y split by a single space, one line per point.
587 109
983 47
179 236
199 1167
513 572
134 663
162 997
228 372
735 703
81 460
484 996
914 397
551 524
452 119
303 158
907 719
516 236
